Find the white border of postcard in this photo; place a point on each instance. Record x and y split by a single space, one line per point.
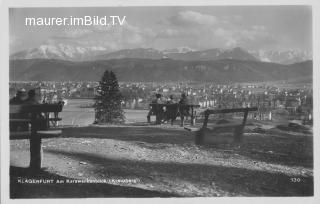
4 58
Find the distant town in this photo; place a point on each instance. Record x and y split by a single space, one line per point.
295 99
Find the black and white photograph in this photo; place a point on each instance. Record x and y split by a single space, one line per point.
167 102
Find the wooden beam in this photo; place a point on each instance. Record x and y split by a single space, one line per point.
192 129
36 108
174 104
20 120
234 110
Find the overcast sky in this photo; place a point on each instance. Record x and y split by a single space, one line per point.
250 27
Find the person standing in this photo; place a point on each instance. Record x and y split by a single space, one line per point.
156 110
172 110
183 108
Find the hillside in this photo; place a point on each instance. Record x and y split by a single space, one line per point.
165 162
163 70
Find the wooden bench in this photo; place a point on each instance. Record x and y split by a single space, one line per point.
173 111
38 117
210 134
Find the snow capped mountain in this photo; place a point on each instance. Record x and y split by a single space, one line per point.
182 53
141 53
74 52
60 51
282 57
213 54
237 53
178 50
79 53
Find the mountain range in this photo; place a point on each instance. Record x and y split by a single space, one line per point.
79 53
158 70
71 62
282 57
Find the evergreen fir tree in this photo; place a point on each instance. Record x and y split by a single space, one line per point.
108 100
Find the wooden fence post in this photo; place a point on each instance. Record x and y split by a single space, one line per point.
200 134
35 145
239 130
206 118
